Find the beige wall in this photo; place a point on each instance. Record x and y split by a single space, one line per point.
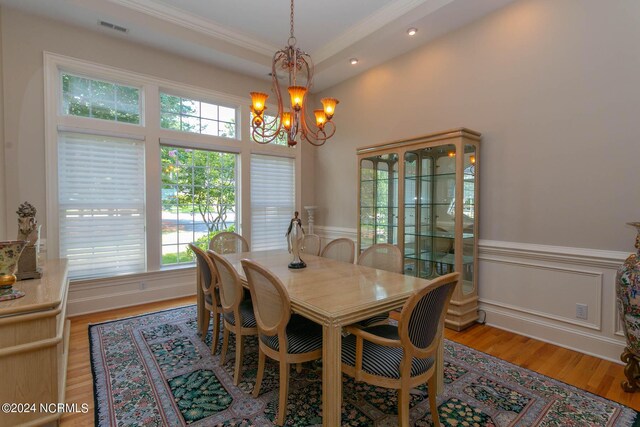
553 87
3 235
26 37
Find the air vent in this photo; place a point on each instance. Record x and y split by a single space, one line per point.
113 26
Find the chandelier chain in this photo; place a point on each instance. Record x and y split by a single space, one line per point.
292 20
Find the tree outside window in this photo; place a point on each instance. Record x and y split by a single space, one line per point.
198 199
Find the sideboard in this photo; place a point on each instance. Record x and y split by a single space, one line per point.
34 343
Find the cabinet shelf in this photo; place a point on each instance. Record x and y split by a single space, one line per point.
430 256
439 235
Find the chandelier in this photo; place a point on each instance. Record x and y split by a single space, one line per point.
293 121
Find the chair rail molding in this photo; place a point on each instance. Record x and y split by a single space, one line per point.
533 289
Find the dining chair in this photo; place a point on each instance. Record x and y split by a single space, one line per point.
404 356
382 256
237 312
311 244
283 337
211 295
341 249
228 242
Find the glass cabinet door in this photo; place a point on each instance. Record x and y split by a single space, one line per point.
430 186
378 200
468 218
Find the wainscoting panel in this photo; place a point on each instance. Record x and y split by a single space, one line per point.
88 296
533 290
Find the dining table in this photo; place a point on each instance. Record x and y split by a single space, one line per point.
335 294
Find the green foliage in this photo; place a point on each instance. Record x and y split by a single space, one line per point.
189 115
100 100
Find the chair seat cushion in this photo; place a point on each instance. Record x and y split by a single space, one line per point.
303 336
246 312
378 359
378 318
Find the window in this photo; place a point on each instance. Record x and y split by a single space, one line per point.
100 99
272 200
198 199
101 202
189 115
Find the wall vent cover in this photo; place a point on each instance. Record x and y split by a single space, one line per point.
113 26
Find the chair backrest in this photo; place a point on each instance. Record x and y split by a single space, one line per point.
422 317
271 303
206 269
311 244
342 249
383 256
228 242
231 291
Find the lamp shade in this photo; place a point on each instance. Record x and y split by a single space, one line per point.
258 101
297 96
329 105
321 118
286 120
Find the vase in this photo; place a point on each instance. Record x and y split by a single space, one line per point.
9 255
628 298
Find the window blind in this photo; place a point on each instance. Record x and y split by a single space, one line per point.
272 200
101 193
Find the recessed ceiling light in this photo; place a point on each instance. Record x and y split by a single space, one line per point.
353 61
412 31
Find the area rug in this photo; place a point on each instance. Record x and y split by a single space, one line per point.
153 370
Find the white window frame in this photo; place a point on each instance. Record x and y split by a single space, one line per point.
150 131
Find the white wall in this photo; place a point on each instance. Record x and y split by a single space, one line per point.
3 235
553 87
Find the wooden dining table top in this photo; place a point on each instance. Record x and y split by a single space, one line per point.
332 291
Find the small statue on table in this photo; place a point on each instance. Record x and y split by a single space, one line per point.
29 230
295 237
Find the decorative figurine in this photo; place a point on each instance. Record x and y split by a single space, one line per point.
295 237
29 230
628 297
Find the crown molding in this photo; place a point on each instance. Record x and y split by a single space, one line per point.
197 24
374 22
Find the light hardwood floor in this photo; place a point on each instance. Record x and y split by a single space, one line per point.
589 373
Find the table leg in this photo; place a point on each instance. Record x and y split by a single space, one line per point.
440 367
331 375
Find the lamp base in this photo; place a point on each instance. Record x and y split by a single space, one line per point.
297 265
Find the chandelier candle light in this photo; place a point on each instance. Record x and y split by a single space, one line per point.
296 121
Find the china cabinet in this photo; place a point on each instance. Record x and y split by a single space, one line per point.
422 195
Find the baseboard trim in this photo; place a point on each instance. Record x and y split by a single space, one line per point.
559 335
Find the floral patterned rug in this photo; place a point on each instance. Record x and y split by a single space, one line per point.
153 370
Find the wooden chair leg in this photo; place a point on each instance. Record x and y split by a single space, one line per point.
435 416
284 392
239 350
403 406
260 374
225 345
298 367
216 331
206 317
